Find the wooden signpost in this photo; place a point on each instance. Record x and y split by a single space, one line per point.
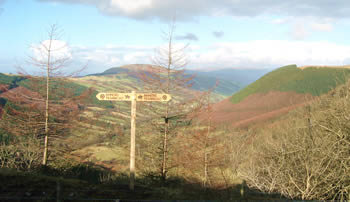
133 97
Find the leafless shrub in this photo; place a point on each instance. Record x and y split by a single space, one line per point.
307 156
24 155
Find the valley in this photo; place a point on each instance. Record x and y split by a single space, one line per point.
228 127
174 100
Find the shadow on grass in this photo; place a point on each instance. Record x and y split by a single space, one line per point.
88 182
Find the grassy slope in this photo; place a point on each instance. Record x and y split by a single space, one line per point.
11 80
14 81
90 133
75 88
119 81
315 81
110 83
56 87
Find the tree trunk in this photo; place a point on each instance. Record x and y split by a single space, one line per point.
206 144
205 168
132 141
46 142
165 151
166 117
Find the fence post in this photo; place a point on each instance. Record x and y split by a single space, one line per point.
242 189
58 191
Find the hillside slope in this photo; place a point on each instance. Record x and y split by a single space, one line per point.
312 80
278 92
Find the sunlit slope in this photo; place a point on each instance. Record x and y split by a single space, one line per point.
278 92
311 80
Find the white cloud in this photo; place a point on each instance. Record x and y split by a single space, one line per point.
270 53
135 58
253 54
64 60
188 36
112 55
126 7
299 32
324 27
189 9
302 28
280 21
59 50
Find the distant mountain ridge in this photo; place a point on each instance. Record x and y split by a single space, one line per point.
242 76
229 80
129 68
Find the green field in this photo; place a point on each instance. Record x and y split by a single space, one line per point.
312 80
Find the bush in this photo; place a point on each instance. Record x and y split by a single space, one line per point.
24 155
307 157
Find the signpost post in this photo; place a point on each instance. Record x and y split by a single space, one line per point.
133 97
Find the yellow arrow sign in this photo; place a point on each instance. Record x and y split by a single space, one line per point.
148 97
133 97
114 96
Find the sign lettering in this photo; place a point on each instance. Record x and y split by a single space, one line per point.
114 96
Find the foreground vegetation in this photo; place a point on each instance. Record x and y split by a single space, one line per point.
306 154
87 181
303 155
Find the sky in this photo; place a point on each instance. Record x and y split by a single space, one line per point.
240 34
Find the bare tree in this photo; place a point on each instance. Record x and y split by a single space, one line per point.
52 56
167 75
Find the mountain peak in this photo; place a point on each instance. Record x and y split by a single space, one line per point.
326 66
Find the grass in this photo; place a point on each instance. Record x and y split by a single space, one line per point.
312 80
95 184
104 153
41 185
